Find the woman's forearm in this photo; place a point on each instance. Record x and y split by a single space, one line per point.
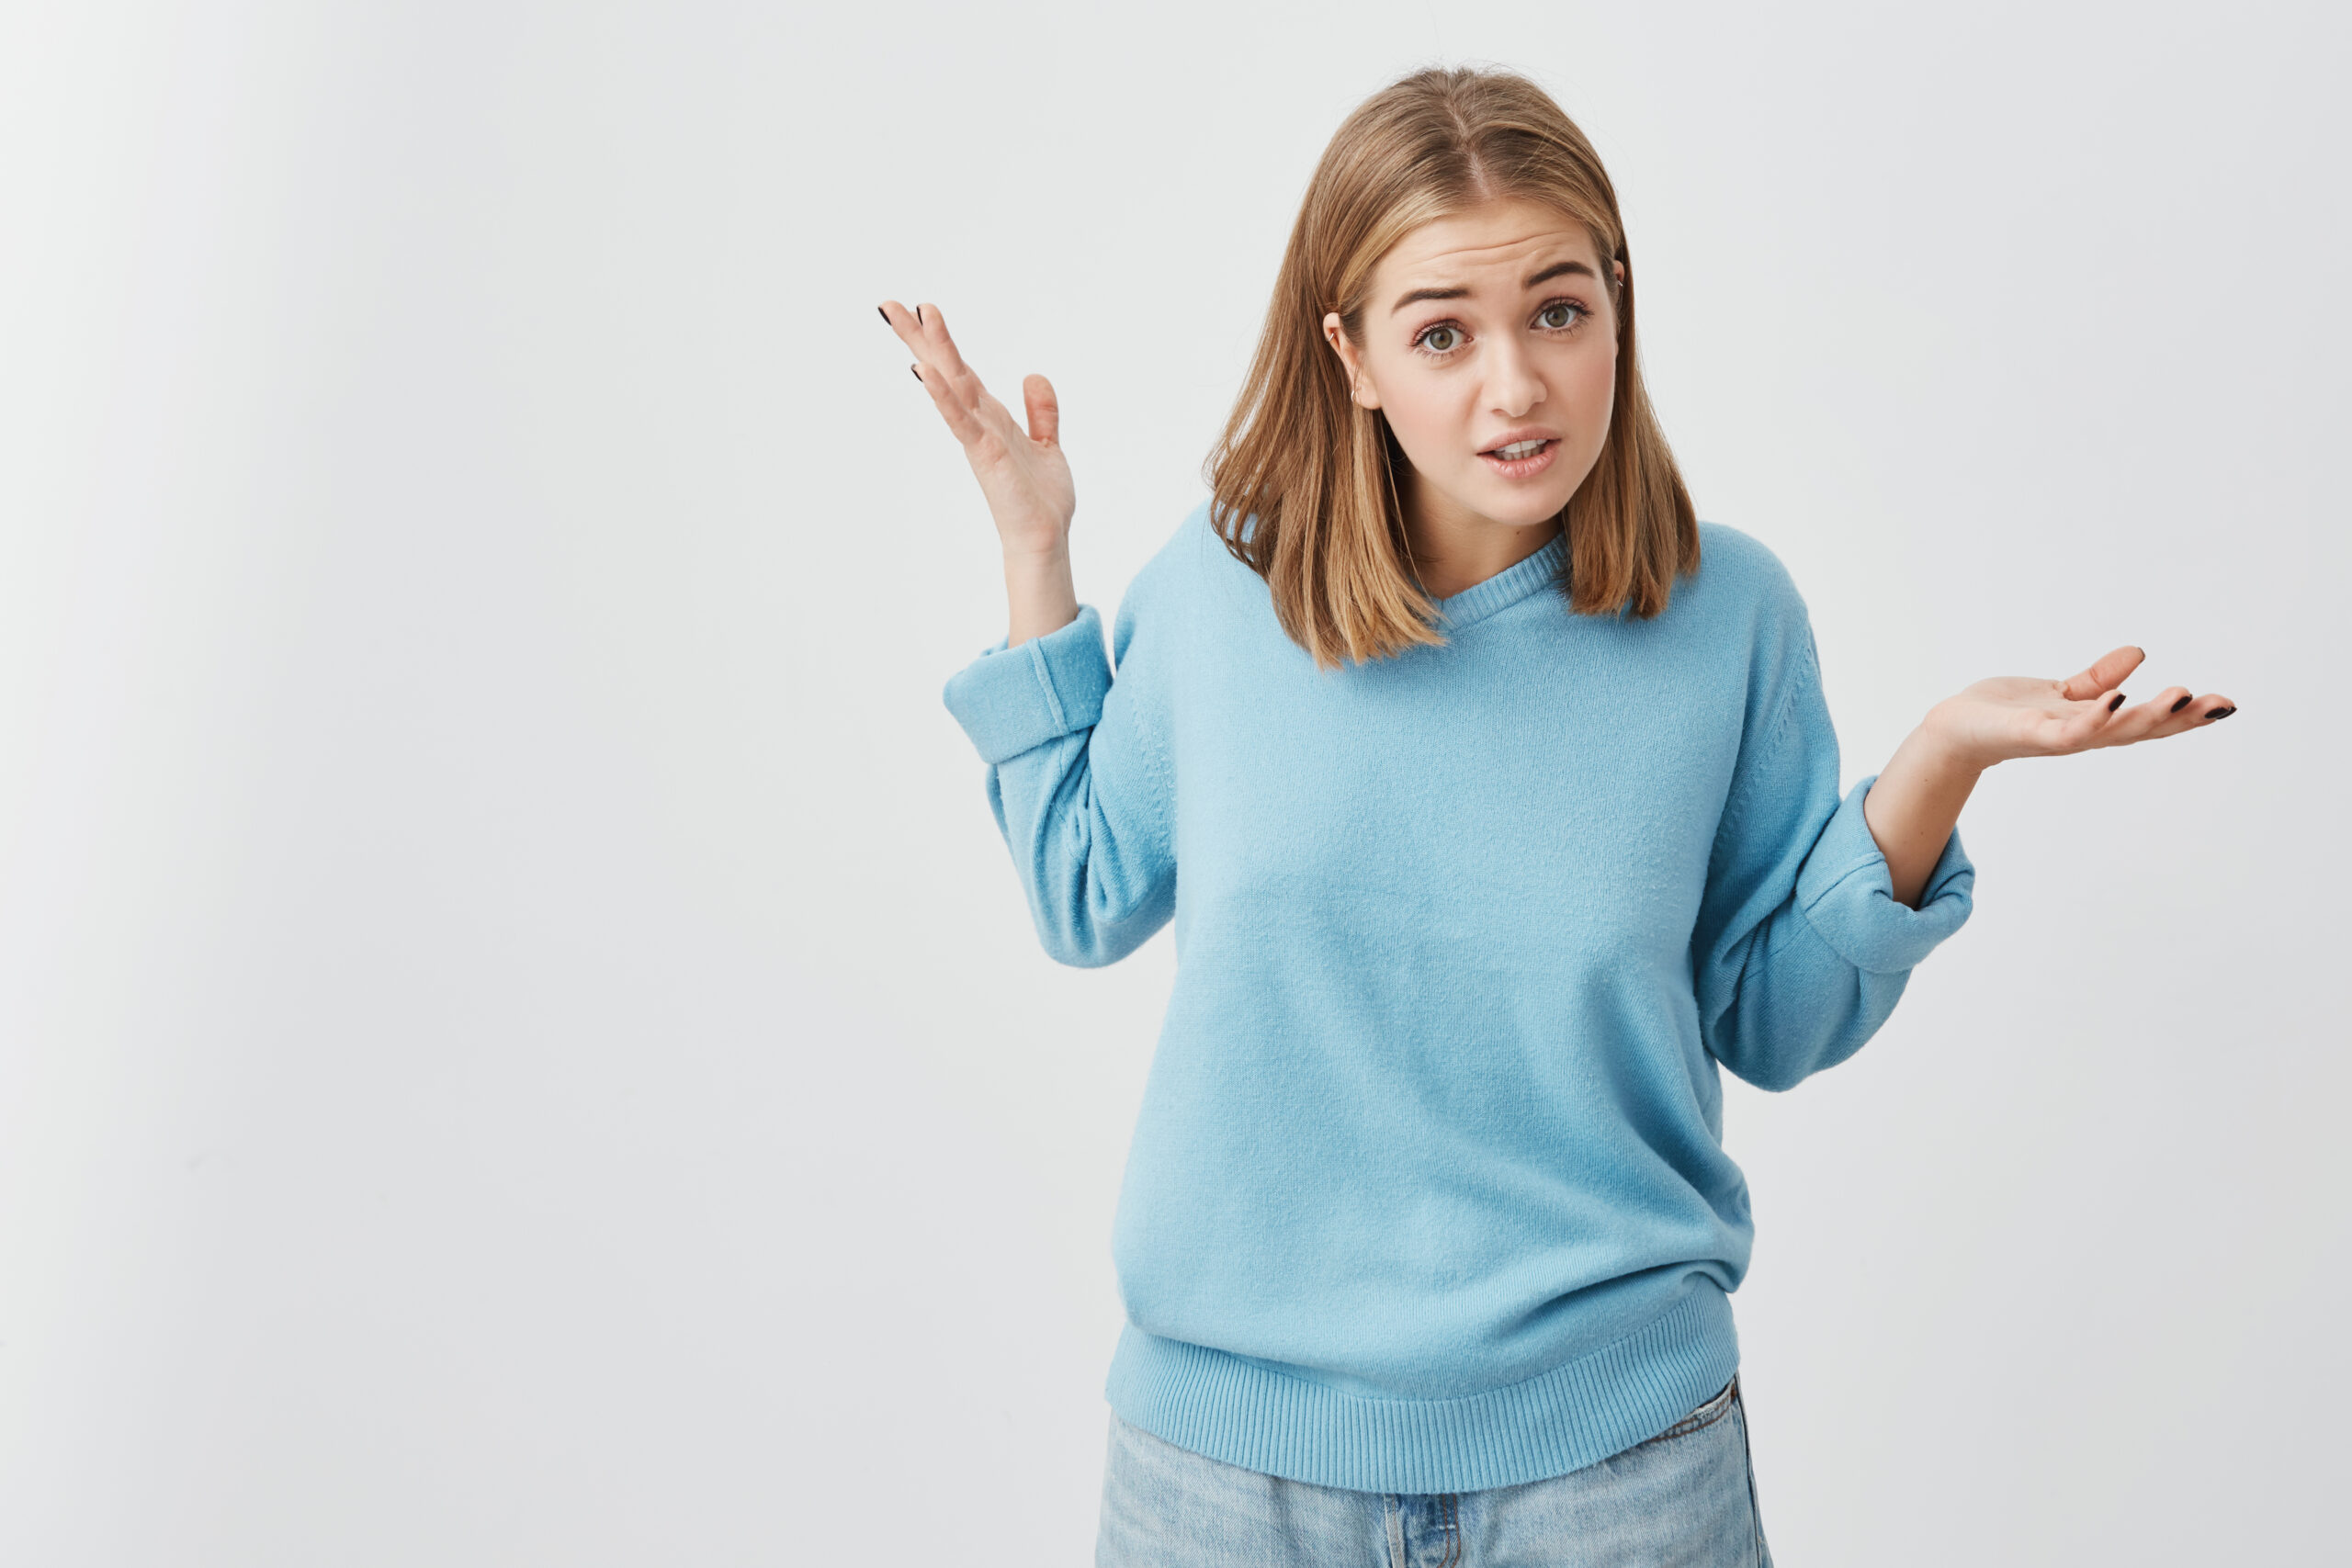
1912 806
1039 593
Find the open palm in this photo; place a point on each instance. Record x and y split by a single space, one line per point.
2022 715
1022 472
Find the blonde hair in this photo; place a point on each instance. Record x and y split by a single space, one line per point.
1304 479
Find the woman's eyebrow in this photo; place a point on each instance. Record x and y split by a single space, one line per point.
1558 269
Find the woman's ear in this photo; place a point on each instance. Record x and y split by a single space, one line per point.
1359 386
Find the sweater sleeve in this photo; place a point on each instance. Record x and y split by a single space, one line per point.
1077 778
1801 950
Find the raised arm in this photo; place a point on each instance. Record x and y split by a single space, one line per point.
1077 763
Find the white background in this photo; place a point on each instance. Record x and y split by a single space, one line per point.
518 1038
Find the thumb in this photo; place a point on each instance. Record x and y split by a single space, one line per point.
1044 413
2104 675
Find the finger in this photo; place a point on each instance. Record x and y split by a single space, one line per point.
2178 709
2185 710
925 331
971 414
2211 708
2071 728
2104 674
962 416
939 349
2172 712
909 326
2167 713
902 322
1045 411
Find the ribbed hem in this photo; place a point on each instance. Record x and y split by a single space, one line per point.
1577 1414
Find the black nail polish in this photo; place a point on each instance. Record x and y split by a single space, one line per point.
2116 704
2182 704
883 313
2219 713
915 373
918 312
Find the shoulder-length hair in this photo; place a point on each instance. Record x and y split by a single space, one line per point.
1304 479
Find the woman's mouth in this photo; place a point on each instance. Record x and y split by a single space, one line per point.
1520 459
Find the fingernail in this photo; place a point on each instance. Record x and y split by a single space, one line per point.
918 312
2219 713
913 372
2116 704
883 313
2182 704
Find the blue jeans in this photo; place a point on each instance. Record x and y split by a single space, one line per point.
1687 1496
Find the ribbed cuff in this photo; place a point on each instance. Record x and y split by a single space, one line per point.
1848 895
1010 699
1577 1414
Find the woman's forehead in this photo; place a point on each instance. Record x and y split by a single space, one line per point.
1493 238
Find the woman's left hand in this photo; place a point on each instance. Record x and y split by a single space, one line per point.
1918 796
2018 715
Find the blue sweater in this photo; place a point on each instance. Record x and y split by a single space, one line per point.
1428 1192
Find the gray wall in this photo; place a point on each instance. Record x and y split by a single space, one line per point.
518 1040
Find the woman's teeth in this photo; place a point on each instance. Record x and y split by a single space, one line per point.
1517 449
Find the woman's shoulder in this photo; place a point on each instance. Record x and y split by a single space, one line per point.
1190 563
1739 577
1175 583
1733 558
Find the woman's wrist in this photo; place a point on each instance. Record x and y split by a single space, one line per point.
1039 591
1940 745
1915 803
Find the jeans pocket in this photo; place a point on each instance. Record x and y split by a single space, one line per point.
1699 1420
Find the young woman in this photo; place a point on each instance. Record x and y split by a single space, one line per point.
1506 805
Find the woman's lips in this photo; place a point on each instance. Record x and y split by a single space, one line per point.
1521 467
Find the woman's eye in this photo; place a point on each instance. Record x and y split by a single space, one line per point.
1561 315
1441 340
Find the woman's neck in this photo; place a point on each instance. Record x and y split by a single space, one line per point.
1454 548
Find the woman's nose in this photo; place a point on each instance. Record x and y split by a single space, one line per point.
1512 385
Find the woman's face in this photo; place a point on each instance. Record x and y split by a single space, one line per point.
1491 345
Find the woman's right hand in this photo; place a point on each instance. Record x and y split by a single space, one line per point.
1023 473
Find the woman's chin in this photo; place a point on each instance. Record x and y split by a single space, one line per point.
1504 502
1517 508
